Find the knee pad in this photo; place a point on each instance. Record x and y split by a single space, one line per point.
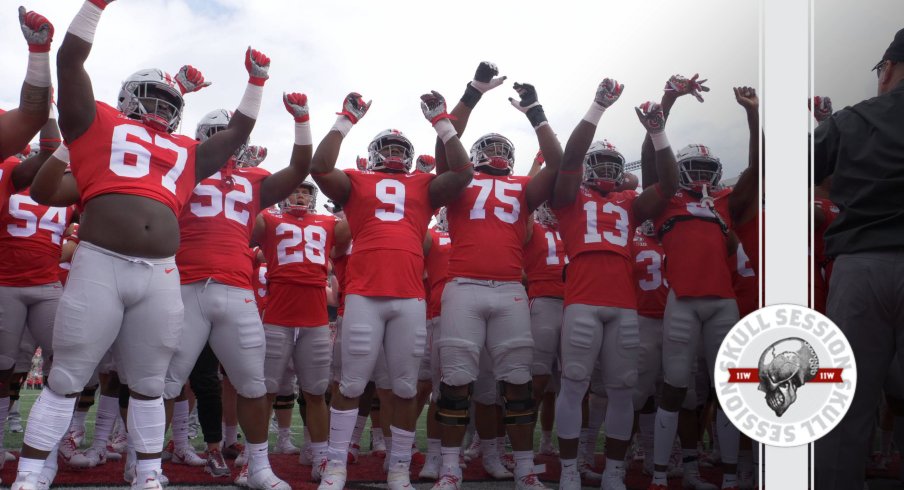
452 408
520 409
123 396
286 402
252 390
672 397
149 387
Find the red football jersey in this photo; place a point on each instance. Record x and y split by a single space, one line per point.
437 265
297 248
697 253
259 285
294 305
823 264
215 228
488 226
544 259
118 155
388 214
30 236
652 288
744 281
597 231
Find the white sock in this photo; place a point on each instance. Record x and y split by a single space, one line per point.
145 466
450 456
664 435
434 447
51 463
613 465
107 412
524 463
78 420
567 464
319 450
28 465
342 424
180 425
729 480
489 449
257 456
376 435
230 435
359 430
48 420
401 446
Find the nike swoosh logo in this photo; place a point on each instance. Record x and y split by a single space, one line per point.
248 301
169 270
519 299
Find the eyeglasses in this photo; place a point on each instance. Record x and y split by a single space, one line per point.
878 68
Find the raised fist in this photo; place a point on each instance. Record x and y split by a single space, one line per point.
425 163
651 116
433 105
354 107
483 77
190 79
822 108
608 92
681 85
528 95
361 163
38 31
297 105
254 155
257 64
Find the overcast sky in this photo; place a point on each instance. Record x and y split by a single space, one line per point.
392 52
849 39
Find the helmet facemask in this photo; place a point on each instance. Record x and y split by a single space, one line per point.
390 151
157 104
493 154
299 203
695 174
442 222
603 172
545 216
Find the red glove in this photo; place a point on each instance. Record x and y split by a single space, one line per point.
354 107
297 105
38 31
190 79
433 105
257 64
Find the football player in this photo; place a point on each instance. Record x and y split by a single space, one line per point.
388 210
133 176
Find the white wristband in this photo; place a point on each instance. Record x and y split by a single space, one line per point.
594 113
62 153
660 141
85 22
445 130
343 125
251 101
38 73
303 133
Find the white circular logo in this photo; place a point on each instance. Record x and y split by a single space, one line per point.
785 375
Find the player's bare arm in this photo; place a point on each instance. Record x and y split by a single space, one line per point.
332 181
743 201
540 187
19 125
260 227
342 236
53 185
485 78
278 186
446 187
653 200
216 151
25 172
675 87
571 170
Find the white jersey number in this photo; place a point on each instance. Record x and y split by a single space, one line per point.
53 220
391 192
552 258
129 159
314 244
744 269
619 237
498 188
654 270
240 194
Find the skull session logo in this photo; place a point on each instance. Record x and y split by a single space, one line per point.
785 375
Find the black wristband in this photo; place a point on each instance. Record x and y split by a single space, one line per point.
536 116
471 96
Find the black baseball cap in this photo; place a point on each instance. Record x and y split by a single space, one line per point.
895 51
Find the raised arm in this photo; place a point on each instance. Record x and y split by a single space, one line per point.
332 181
485 78
653 200
52 185
675 87
278 186
571 173
744 199
216 150
257 233
447 186
540 187
18 126
76 96
25 172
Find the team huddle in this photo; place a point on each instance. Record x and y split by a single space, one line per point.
190 263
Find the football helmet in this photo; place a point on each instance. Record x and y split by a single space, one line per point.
152 97
604 167
442 222
698 167
647 228
214 122
545 216
293 204
493 152
425 164
29 151
390 150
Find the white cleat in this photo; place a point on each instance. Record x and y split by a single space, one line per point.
399 477
242 479
448 481
430 471
151 482
613 480
265 479
285 446
333 476
88 458
306 456
529 482
27 481
692 481
241 459
570 479
473 450
69 446
494 467
188 457
317 470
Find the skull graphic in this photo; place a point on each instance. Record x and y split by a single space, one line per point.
784 367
